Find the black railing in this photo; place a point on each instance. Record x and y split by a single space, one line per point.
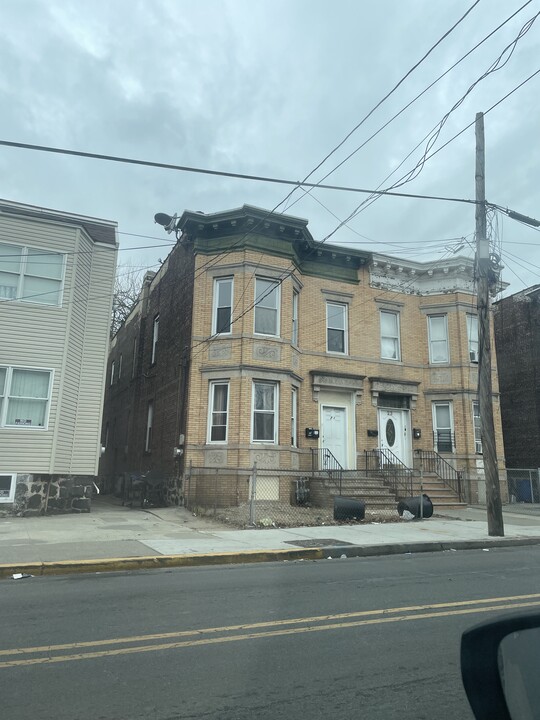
394 473
444 441
323 460
432 462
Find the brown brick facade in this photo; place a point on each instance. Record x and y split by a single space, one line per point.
249 244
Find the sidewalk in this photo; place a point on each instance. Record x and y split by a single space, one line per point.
111 531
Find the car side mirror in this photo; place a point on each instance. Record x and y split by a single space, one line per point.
499 667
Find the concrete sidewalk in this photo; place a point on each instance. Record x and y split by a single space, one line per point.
113 531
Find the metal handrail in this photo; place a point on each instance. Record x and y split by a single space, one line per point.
323 460
394 472
444 441
434 463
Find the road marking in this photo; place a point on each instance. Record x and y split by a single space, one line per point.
264 624
253 636
257 635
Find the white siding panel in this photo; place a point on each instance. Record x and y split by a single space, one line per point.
35 337
94 361
71 340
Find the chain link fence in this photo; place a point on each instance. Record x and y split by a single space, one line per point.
523 485
256 497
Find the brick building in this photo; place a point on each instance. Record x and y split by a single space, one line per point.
517 337
252 335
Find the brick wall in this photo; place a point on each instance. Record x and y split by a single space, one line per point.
517 333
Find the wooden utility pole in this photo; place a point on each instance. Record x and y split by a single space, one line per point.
486 278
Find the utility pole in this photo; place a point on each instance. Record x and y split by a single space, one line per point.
485 397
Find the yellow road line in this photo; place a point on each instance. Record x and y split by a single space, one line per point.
253 636
264 624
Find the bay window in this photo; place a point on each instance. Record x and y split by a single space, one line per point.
264 412
222 311
219 412
266 306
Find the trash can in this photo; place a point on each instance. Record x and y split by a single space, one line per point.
412 504
524 490
348 508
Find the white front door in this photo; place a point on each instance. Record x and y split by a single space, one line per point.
393 433
334 433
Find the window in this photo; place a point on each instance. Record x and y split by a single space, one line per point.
266 307
24 397
336 327
294 417
390 335
443 427
219 411
472 335
7 487
155 335
294 334
438 339
113 368
264 412
223 295
477 428
30 275
149 423
120 359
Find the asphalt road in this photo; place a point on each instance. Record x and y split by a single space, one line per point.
328 639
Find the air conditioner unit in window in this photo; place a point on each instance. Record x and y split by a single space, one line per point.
474 356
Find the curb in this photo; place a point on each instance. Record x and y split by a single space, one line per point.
67 567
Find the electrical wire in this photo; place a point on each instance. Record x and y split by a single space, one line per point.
417 97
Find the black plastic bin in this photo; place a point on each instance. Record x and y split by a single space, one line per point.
348 508
412 504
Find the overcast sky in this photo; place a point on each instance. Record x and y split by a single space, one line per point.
270 87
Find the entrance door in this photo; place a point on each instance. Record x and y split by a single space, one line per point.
393 433
334 433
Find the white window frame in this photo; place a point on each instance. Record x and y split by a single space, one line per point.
275 411
11 497
434 405
276 308
477 427
216 306
21 273
447 360
344 330
212 411
5 397
113 368
149 427
473 342
155 338
294 331
395 338
294 417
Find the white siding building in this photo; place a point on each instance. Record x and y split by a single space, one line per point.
56 286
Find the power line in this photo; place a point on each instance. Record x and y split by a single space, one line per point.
435 152
309 192
388 94
221 173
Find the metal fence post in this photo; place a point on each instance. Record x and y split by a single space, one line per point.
187 488
253 495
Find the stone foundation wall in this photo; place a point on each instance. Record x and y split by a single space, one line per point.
50 494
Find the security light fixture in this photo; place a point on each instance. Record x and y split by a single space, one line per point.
168 222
